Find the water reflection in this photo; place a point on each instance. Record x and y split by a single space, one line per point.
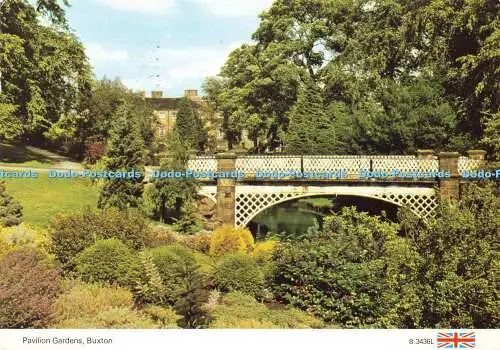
296 217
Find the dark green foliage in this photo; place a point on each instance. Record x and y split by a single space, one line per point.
345 274
126 154
201 132
186 124
310 130
458 280
401 118
191 301
45 72
108 261
28 288
172 276
239 272
72 233
171 199
172 263
10 210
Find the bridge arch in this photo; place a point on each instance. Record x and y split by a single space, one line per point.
252 200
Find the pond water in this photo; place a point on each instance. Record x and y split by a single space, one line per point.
295 217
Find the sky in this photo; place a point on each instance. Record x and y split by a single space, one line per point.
166 45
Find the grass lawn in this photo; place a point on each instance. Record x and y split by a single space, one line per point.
42 198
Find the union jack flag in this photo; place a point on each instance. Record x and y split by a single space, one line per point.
456 340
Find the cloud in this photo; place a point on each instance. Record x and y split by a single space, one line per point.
151 7
99 53
177 67
234 8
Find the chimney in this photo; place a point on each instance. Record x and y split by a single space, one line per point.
156 94
191 93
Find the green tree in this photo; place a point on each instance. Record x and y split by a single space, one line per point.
170 198
310 130
126 154
45 72
186 125
11 212
191 302
457 280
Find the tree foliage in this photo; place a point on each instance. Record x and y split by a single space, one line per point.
10 210
126 154
359 53
45 72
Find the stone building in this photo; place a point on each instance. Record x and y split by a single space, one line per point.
166 110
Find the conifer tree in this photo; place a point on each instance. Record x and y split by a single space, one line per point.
10 210
201 132
185 124
310 130
172 198
126 154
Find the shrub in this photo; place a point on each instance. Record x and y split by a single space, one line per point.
110 261
161 236
239 272
94 306
11 212
172 263
150 287
199 243
95 151
28 287
457 277
343 275
238 310
191 303
72 233
23 236
165 317
227 239
263 251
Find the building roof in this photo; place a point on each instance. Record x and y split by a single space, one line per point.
164 103
168 103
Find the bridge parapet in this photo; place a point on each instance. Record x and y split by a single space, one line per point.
352 164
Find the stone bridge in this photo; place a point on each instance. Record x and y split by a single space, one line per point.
239 200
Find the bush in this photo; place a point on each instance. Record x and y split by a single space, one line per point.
108 261
237 310
349 273
227 239
199 243
457 278
165 317
161 236
11 212
263 251
239 272
23 236
28 287
72 233
94 306
172 263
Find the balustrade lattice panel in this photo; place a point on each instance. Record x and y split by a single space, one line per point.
403 163
249 164
203 163
465 163
350 164
423 205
